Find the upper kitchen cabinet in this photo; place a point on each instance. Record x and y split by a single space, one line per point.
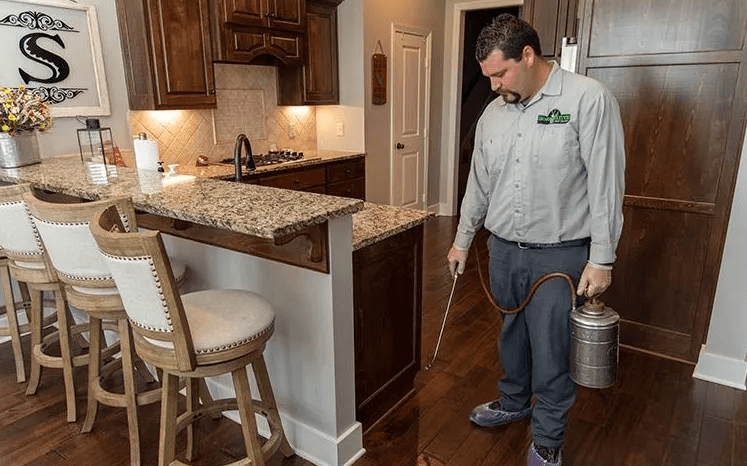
258 31
317 81
167 53
274 14
553 20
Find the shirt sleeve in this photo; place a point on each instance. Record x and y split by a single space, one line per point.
602 146
475 201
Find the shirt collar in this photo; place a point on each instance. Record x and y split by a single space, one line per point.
553 85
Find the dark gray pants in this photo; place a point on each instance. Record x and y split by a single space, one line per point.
534 348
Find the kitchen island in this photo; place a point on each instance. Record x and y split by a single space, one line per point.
311 255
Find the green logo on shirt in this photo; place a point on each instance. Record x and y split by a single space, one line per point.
554 117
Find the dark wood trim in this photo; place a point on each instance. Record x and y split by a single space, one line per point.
704 208
307 248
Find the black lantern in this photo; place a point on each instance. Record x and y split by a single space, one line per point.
96 150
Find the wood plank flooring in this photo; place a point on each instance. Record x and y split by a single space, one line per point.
656 415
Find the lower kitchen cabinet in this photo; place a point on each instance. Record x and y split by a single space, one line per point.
387 280
345 178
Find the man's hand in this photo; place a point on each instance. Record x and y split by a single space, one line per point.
457 260
594 280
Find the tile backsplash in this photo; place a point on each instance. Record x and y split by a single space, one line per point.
246 103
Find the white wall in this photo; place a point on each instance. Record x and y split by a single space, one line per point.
723 357
62 137
350 112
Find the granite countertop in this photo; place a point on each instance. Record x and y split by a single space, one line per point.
260 211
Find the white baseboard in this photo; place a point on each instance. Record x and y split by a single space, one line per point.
307 442
720 369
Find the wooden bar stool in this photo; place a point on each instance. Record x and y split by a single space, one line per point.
10 325
29 263
89 287
196 335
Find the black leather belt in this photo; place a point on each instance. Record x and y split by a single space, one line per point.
561 244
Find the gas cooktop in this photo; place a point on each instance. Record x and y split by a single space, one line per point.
270 158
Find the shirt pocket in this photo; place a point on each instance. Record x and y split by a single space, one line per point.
553 148
495 152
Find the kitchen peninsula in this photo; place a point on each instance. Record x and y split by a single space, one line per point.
345 277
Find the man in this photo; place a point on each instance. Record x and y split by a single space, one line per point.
547 181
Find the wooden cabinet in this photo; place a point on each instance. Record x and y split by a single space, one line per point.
167 53
273 14
258 31
553 20
317 81
388 287
345 178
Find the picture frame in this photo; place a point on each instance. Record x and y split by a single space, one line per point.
54 48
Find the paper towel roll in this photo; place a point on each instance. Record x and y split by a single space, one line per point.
146 154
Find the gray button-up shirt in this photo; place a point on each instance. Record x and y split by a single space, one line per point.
550 171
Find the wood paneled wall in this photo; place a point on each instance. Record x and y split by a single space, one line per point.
678 72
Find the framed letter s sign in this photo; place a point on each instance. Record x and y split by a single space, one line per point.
53 47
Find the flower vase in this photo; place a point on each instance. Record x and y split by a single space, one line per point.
19 149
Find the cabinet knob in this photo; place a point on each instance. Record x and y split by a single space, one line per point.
296 181
270 16
400 145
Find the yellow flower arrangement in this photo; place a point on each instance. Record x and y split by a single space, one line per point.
22 110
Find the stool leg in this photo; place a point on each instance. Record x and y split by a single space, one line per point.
167 434
37 303
15 334
94 370
265 393
140 366
128 372
207 399
193 432
63 322
246 414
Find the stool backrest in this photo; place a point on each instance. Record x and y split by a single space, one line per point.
64 229
142 271
19 239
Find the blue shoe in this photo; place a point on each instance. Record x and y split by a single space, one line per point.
542 456
492 415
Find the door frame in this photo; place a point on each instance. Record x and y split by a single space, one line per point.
449 142
428 34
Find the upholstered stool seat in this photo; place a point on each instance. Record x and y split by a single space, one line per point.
193 336
89 287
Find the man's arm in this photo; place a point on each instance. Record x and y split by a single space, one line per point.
601 139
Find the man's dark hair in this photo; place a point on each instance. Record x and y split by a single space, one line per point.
508 34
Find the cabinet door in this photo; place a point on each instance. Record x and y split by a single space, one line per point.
286 14
181 53
245 12
553 20
321 79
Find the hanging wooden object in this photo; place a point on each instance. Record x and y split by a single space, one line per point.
378 76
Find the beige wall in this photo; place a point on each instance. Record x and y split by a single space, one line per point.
378 18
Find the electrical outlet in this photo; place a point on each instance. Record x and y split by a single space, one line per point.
340 128
291 131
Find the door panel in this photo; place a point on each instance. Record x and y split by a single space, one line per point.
678 71
624 27
676 123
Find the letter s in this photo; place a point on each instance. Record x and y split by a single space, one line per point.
32 50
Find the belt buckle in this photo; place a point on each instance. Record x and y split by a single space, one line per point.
522 245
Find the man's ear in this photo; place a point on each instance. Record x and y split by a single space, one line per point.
528 55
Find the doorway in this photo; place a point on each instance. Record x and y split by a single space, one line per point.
475 92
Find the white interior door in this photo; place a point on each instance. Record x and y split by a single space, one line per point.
410 115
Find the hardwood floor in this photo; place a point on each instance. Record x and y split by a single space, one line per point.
656 415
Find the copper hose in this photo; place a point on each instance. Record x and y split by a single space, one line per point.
536 285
